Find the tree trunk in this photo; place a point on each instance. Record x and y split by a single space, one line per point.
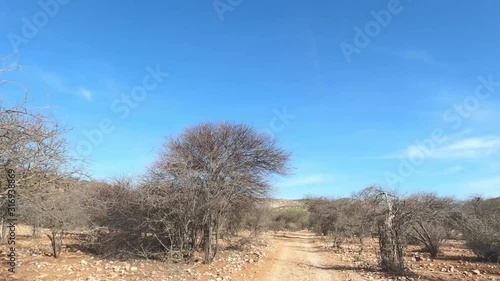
192 248
34 231
391 248
3 233
208 241
4 230
56 245
216 248
361 244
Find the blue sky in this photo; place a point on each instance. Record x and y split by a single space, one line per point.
398 93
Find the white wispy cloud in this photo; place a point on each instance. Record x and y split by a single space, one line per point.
306 180
470 148
86 94
60 84
475 147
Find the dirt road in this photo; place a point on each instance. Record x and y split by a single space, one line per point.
297 258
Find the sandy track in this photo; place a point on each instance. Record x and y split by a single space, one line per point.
297 258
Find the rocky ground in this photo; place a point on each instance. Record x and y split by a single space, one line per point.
273 257
454 263
35 263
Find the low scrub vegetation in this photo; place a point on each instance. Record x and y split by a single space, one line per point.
423 218
479 222
289 218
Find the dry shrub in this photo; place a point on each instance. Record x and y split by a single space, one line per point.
430 220
289 218
480 226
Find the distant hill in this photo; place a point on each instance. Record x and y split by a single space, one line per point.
493 203
283 203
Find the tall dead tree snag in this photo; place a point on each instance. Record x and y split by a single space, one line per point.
390 237
393 221
223 167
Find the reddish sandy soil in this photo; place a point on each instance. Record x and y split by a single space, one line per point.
454 263
297 258
285 256
303 256
34 262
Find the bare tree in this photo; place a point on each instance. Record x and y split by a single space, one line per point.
258 217
225 165
120 225
479 223
393 219
34 147
430 220
341 218
58 208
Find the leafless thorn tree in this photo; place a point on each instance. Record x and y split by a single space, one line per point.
221 166
35 148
